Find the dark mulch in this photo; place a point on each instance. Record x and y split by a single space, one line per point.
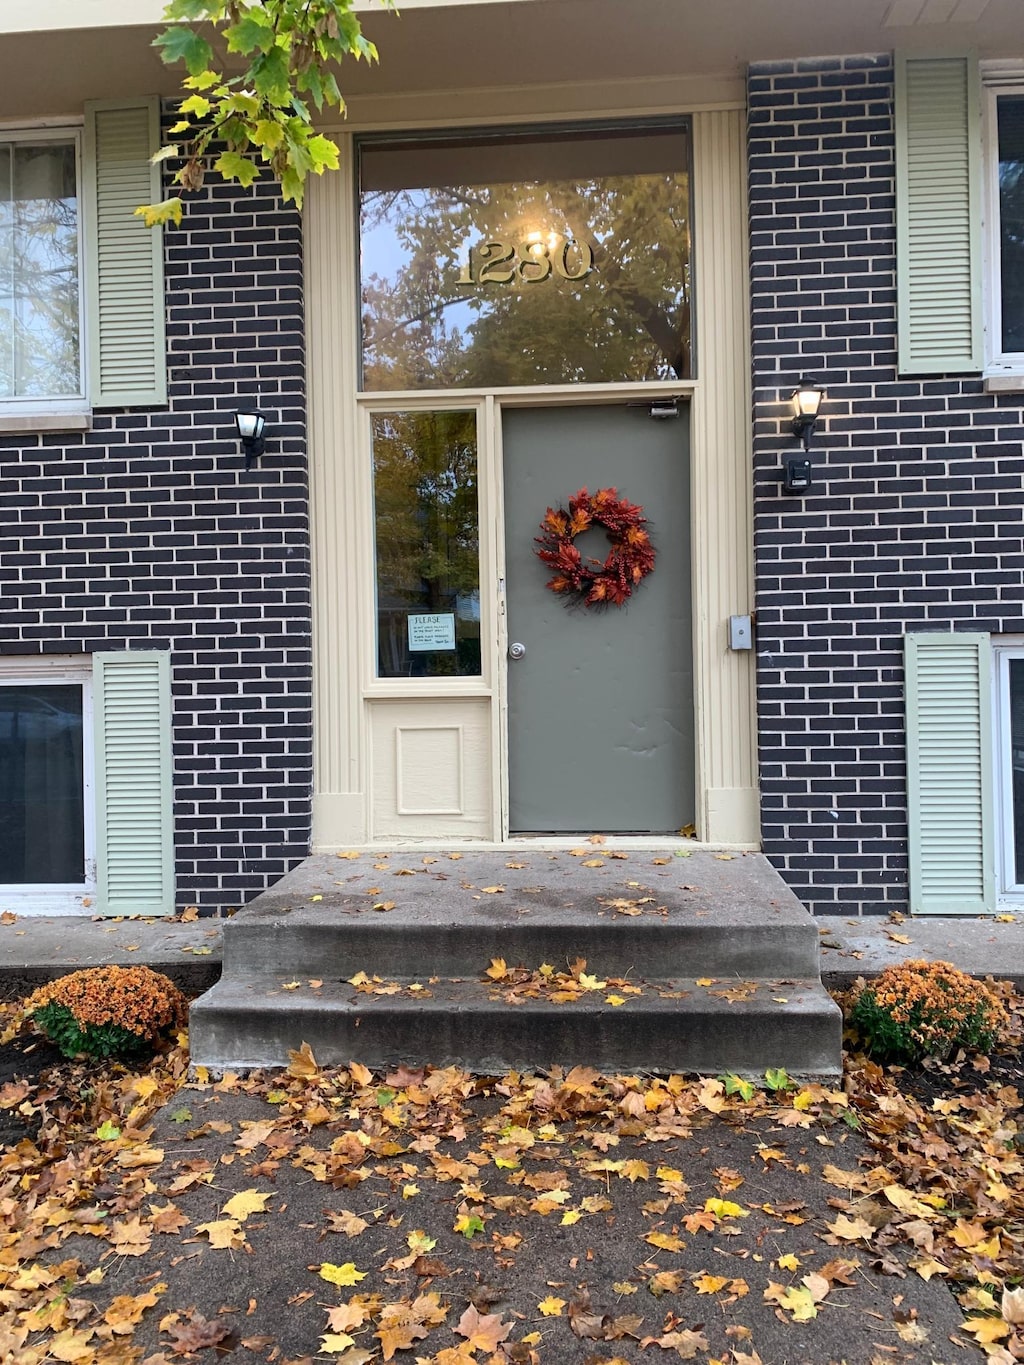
936 1081
23 1060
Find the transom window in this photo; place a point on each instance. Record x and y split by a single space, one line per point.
40 309
549 256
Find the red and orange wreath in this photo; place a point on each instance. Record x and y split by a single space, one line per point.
630 559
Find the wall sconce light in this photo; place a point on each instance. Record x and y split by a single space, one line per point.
806 400
250 432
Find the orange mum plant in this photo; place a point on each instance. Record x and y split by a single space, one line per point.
926 1009
108 1011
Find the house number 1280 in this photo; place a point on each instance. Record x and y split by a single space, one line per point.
500 262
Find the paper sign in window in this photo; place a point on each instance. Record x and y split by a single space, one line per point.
432 631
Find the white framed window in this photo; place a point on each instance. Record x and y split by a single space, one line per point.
47 809
1003 199
42 351
1008 681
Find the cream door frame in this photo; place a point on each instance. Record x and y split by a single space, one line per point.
353 710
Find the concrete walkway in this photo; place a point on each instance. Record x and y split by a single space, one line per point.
36 949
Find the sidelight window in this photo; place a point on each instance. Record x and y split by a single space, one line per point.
427 530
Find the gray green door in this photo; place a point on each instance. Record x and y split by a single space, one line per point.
600 703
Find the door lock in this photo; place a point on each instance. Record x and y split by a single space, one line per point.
516 651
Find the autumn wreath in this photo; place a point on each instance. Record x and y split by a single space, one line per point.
630 559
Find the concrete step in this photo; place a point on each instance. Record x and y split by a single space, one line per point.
703 915
675 1025
664 922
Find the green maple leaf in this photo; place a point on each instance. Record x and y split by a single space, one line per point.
179 44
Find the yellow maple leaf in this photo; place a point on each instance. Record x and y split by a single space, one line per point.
144 1086
551 1307
71 1346
634 1171
986 1329
724 1208
665 1240
341 1275
709 1284
127 1309
665 1282
336 1342
245 1202
788 1262
851 1229
799 1300
712 1096
591 983
705 981
497 969
571 1216
225 1233
615 1000
302 1064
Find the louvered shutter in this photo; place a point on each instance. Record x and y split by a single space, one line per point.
126 347
949 774
134 834
938 215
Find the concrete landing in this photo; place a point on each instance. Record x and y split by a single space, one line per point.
39 948
676 926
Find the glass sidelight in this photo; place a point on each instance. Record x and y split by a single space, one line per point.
427 529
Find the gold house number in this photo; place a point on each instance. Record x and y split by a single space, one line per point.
500 262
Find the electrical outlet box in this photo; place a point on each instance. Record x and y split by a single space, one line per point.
741 634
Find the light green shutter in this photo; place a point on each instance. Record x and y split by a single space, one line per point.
938 214
949 774
134 834
124 297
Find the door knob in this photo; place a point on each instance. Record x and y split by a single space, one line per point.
516 651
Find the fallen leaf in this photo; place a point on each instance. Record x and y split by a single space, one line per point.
245 1202
482 1332
341 1275
551 1307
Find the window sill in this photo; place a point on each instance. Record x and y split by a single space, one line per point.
34 423
1003 381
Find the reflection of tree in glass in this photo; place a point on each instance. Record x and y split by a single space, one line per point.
39 345
1011 221
427 531
629 319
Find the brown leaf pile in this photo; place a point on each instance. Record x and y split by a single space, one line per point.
939 1193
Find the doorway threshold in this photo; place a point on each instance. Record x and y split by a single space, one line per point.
555 843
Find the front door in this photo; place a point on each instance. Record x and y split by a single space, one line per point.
600 699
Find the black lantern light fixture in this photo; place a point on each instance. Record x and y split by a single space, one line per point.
806 401
250 426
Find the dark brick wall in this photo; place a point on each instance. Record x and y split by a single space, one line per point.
145 533
915 518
